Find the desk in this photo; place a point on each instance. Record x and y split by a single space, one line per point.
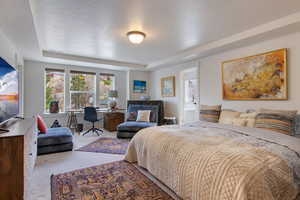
72 119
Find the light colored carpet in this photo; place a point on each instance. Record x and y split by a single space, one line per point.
47 165
57 163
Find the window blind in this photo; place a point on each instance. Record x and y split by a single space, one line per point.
81 72
54 70
106 74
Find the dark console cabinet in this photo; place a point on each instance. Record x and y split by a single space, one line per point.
112 120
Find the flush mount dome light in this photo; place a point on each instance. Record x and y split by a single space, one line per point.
136 37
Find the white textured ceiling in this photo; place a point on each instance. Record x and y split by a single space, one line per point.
97 28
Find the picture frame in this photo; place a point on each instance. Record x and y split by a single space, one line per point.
259 77
139 86
168 86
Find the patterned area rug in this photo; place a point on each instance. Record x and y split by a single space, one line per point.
115 181
107 145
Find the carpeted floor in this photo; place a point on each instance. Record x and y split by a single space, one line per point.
116 180
107 145
58 163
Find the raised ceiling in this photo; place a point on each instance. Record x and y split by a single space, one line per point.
97 28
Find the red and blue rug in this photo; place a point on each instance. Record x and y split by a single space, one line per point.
107 145
113 181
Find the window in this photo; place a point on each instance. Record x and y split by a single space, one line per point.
82 89
55 88
107 83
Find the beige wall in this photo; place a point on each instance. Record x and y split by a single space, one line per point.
34 88
141 76
210 77
9 52
172 104
210 74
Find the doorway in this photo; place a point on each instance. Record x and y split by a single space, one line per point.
190 95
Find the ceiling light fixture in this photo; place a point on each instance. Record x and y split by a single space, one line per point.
136 37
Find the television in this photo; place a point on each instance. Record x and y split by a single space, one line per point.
9 92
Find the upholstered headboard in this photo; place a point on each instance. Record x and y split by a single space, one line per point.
160 105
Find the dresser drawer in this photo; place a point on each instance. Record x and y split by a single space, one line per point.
112 120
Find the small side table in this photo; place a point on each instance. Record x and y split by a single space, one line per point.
112 120
170 120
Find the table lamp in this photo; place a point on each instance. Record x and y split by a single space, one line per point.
112 103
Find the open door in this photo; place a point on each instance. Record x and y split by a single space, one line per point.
190 95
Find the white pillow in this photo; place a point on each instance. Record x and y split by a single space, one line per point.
143 116
239 122
227 116
250 118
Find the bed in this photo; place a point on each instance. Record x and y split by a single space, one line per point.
211 161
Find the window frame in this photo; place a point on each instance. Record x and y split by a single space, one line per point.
93 92
99 86
47 70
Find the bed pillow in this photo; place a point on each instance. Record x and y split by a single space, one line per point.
249 118
297 126
143 116
210 113
290 113
228 116
239 122
131 116
281 123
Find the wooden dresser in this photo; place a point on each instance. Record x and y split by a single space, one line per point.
112 120
18 150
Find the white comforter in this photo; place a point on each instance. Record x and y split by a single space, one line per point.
218 162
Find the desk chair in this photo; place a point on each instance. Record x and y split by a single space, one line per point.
90 114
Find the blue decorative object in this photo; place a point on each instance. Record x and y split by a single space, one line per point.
139 86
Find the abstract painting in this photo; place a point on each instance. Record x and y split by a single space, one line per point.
168 86
259 77
139 86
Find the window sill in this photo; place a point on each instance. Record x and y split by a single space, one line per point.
52 115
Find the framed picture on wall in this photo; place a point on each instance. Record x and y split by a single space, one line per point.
258 77
168 86
139 86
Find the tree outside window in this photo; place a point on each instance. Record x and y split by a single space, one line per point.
55 88
107 83
82 89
